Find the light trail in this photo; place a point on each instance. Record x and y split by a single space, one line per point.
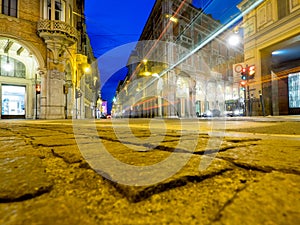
200 46
204 43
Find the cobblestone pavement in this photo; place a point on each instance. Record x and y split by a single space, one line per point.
253 177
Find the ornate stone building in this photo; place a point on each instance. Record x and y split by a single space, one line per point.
175 70
46 62
272 44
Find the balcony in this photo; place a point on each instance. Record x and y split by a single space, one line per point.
57 30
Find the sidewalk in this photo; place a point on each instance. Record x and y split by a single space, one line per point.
295 118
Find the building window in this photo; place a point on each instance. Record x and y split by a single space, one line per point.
11 67
59 10
199 38
10 7
282 6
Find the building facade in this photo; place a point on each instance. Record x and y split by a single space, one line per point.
272 44
174 71
46 62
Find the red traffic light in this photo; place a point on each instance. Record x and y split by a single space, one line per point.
251 71
244 74
37 88
243 83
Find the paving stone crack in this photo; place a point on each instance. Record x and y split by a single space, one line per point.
265 169
227 203
136 195
67 158
25 197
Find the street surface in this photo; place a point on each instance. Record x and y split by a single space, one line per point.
142 171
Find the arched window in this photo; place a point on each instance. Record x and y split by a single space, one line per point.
11 67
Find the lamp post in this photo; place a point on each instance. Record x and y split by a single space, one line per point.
66 86
37 92
235 40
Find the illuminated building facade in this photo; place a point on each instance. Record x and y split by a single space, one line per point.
46 62
272 44
161 82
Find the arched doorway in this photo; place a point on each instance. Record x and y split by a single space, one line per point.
18 80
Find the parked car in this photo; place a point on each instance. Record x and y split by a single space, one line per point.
212 113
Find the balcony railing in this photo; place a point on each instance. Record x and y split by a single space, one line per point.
57 27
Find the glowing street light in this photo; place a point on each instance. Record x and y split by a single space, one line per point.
234 40
146 72
87 69
172 18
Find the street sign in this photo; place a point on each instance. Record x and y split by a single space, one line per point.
237 69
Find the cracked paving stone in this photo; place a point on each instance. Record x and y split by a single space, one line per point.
60 140
22 178
70 154
190 173
281 155
275 199
59 211
193 203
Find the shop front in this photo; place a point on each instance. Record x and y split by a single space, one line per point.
13 102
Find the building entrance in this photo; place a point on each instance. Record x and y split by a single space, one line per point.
13 102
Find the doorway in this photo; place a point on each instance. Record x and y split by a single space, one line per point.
13 102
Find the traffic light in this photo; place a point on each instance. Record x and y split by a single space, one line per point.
243 85
37 89
78 93
251 72
244 74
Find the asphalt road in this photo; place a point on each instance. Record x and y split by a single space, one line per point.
139 171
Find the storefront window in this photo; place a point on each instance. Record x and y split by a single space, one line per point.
294 90
13 100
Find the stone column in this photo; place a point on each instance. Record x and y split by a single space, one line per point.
43 94
52 97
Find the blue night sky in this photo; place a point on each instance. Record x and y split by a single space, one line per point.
112 24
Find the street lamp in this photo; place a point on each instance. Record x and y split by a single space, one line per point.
7 67
172 18
87 69
234 39
37 92
145 72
